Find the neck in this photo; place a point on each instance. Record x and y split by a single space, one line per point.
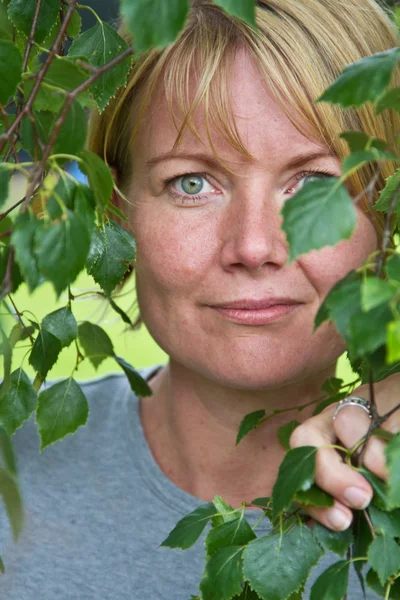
191 426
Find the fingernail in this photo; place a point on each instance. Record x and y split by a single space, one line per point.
338 520
357 498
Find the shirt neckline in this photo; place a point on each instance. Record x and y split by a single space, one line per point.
168 493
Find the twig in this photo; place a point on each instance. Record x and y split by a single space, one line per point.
12 149
6 286
370 187
29 44
386 416
14 206
40 76
19 316
370 525
70 97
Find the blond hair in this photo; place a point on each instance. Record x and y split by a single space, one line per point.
300 47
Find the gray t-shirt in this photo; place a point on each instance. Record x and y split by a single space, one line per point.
97 508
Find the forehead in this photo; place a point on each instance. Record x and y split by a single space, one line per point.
262 125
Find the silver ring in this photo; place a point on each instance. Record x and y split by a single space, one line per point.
354 401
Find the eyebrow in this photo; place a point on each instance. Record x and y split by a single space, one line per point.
296 161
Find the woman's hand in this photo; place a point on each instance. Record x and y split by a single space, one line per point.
349 488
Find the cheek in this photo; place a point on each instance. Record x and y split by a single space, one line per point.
172 252
325 267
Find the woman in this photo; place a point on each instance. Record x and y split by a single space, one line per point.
208 140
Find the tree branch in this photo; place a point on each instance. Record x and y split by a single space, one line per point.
40 76
30 41
70 97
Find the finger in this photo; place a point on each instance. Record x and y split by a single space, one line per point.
339 517
339 480
351 425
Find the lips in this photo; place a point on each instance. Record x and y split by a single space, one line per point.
250 311
254 304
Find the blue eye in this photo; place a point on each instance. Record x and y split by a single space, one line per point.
192 184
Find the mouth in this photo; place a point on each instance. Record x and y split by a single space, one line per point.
257 312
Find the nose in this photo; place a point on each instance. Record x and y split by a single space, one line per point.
252 234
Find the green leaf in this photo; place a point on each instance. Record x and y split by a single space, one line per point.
243 9
314 496
99 176
6 226
247 594
6 28
306 214
376 362
332 385
384 557
233 533
375 291
138 385
359 140
249 422
223 577
381 498
62 408
62 324
63 76
276 566
9 491
111 252
188 530
62 248
363 81
77 198
374 584
4 183
355 160
386 195
368 330
393 266
2 567
95 343
296 473
10 68
337 542
75 25
264 502
154 24
121 313
332 584
6 350
362 540
100 45
390 100
26 229
225 512
387 523
285 432
393 341
71 137
22 12
16 277
392 452
19 403
45 352
7 452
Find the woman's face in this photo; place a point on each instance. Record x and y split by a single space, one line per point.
213 283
